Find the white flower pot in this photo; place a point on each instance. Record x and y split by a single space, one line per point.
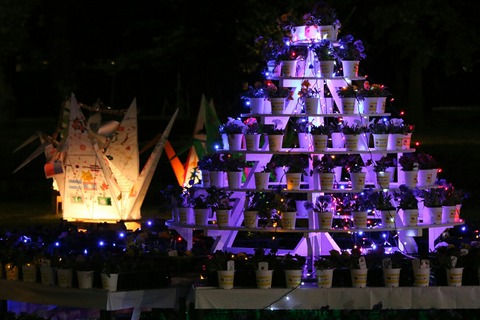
312 105
85 279
109 281
250 219
289 219
324 219
223 217
324 278
293 180
225 279
264 278
275 142
293 278
391 277
257 105
326 68
359 219
421 277
454 277
320 142
252 142
288 68
234 179
350 68
409 217
359 277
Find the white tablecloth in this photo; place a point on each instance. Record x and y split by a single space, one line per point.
310 298
165 298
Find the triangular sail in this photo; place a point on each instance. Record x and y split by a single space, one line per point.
86 194
204 133
139 190
122 151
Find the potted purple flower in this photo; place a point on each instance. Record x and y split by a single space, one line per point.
350 52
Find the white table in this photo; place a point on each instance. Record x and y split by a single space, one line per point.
164 298
313 298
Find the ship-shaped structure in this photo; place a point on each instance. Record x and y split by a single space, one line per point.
96 168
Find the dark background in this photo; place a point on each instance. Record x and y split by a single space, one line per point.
169 53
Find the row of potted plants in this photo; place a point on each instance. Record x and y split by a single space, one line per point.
267 89
324 164
302 125
374 262
139 258
270 205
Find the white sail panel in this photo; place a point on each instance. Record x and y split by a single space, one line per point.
87 195
122 151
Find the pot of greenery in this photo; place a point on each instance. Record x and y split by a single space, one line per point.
432 210
320 135
326 57
232 133
358 206
382 173
427 169
221 267
274 135
266 267
352 134
85 271
254 96
325 18
384 208
252 134
449 198
212 167
350 52
301 127
408 175
111 268
234 166
368 100
324 211
356 168
293 266
286 207
449 260
379 131
297 166
220 204
278 97
348 104
288 62
202 206
324 267
310 97
257 205
407 205
322 170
